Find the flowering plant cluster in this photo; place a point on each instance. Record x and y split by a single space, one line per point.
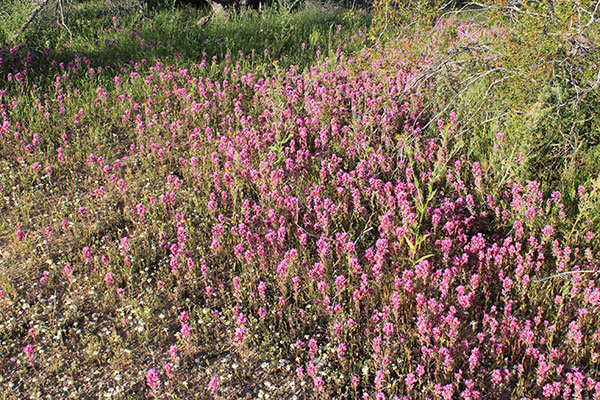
307 227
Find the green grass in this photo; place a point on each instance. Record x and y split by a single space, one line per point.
172 34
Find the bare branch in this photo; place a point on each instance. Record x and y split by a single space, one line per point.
566 273
31 17
62 20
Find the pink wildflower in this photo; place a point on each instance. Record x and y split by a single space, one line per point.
152 379
319 383
185 331
28 350
213 385
173 353
109 278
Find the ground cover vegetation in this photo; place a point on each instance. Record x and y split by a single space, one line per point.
300 202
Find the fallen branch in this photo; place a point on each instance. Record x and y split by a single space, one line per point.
566 273
465 87
31 17
62 19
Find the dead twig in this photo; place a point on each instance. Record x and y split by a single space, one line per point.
465 87
36 10
62 20
566 273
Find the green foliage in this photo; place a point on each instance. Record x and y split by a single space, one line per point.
291 37
389 14
552 54
527 79
12 15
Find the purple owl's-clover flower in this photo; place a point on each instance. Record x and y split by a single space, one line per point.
213 385
20 235
173 352
109 278
152 379
168 370
87 254
28 350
